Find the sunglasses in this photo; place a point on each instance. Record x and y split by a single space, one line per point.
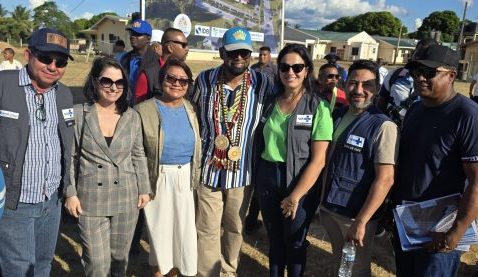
333 76
60 61
40 112
297 68
183 44
241 52
172 80
425 72
107 82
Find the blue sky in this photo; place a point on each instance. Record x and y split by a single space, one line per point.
316 14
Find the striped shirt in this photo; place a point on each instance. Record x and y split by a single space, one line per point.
203 97
42 166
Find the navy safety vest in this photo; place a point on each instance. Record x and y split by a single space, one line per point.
351 167
299 131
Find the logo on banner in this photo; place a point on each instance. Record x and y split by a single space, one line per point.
183 23
203 31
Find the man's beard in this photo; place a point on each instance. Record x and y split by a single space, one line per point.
236 71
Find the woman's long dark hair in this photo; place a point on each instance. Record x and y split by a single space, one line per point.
90 90
309 81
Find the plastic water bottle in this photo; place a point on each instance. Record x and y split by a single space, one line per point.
348 258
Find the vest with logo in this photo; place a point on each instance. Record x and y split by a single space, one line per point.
351 167
299 131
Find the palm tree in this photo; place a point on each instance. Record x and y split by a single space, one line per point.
23 24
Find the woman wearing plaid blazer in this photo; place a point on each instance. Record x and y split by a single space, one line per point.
109 178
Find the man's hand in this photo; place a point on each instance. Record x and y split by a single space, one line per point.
442 242
356 232
143 199
73 206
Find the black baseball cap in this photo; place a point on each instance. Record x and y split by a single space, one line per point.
49 40
435 56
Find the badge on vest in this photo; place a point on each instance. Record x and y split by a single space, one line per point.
69 116
355 143
304 120
9 114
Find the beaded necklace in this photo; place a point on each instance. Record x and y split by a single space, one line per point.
227 152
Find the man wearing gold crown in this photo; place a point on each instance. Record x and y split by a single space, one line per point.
229 100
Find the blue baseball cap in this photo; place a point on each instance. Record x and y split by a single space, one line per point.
141 27
49 40
237 38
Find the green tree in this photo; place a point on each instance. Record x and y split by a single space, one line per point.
93 20
48 15
23 26
79 25
445 21
3 11
374 23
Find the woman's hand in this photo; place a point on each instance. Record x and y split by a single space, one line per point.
289 207
143 199
73 206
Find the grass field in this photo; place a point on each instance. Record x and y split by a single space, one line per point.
254 261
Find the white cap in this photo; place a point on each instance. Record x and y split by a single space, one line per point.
156 35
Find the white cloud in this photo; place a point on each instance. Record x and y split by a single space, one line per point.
418 23
315 14
87 15
36 3
470 2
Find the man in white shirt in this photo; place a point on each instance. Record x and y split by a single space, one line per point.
10 63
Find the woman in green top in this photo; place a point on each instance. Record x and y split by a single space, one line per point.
291 143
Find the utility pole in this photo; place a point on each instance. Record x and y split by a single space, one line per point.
398 44
460 38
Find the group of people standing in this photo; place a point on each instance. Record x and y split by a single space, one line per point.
192 153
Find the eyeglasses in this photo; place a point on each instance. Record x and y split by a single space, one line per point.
60 61
107 82
426 72
40 112
333 76
245 54
172 80
297 68
183 44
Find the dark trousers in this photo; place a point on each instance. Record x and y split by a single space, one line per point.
287 238
418 263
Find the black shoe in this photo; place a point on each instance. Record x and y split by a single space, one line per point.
252 227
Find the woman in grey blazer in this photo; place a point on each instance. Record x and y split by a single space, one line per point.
109 175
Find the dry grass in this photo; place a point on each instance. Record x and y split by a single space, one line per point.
254 261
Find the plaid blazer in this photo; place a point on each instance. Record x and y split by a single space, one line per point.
109 178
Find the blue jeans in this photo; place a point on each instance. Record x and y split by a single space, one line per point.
417 263
287 238
28 238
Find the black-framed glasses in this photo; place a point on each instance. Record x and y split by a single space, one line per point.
172 80
183 44
40 111
60 61
297 68
244 53
333 76
107 82
425 71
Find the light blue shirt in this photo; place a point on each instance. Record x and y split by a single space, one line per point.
178 133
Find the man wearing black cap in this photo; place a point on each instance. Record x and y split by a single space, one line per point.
438 153
36 119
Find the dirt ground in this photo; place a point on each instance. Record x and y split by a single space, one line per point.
254 261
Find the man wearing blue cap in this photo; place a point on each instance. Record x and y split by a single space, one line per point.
36 123
438 157
230 100
141 61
